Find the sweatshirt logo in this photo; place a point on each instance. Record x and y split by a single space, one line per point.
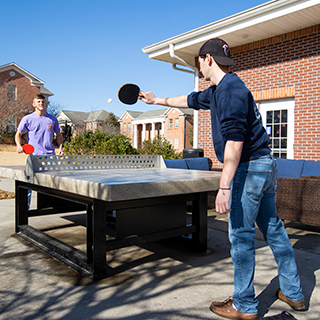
50 127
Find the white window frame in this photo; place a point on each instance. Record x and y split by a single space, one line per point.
283 104
176 143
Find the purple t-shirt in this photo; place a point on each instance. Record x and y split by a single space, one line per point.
40 130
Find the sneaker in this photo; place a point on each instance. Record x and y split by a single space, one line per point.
298 306
226 309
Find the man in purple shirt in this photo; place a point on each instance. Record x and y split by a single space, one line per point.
40 127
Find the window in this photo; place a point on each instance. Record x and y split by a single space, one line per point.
176 122
159 126
129 126
278 119
124 127
170 123
176 143
11 92
170 141
11 124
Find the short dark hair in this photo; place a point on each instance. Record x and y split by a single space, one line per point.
40 96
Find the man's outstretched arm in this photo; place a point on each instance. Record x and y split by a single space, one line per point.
176 102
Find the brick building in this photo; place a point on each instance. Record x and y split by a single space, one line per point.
174 124
80 122
276 47
17 89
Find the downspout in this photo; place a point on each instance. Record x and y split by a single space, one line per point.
195 71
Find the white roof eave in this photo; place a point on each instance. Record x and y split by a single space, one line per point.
269 19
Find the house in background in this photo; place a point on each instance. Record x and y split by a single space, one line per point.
172 123
276 48
17 90
82 121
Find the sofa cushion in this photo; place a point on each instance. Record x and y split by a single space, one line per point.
311 168
198 163
290 168
176 163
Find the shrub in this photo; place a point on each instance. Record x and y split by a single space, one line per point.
102 143
99 143
159 145
8 138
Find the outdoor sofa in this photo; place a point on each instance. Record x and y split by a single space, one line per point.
298 191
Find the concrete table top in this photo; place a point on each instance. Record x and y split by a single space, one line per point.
124 184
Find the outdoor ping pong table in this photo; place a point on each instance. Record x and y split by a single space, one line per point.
142 198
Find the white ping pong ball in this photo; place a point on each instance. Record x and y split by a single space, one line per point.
110 100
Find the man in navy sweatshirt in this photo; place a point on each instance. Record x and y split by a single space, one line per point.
247 184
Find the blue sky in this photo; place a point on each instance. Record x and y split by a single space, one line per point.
85 51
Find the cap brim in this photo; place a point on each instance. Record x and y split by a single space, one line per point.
224 61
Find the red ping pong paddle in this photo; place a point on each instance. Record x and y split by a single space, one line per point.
129 93
28 148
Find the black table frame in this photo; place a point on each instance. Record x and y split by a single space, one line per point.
93 264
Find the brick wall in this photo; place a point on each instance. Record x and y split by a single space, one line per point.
175 133
279 67
24 93
128 133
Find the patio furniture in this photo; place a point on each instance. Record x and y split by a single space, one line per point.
298 191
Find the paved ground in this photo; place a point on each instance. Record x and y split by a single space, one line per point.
153 281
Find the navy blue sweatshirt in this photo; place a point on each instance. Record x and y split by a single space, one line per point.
234 116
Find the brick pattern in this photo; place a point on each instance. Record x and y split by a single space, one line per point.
274 94
24 93
284 66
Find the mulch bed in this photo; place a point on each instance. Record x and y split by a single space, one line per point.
6 195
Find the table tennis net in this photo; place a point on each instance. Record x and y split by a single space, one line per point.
92 162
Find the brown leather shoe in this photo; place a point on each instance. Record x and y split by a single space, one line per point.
225 309
298 306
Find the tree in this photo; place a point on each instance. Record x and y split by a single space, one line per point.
66 132
54 108
111 125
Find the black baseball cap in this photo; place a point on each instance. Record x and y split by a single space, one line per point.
219 50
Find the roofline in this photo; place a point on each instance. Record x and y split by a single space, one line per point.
252 16
34 80
180 111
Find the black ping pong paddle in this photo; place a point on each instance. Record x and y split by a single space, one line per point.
129 93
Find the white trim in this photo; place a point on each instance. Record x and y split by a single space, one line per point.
35 81
283 104
260 22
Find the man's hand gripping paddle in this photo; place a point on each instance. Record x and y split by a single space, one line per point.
129 93
28 148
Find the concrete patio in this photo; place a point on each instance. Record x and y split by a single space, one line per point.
153 281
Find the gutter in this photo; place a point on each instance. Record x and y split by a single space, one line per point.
194 71
251 16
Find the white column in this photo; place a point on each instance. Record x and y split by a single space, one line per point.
162 128
153 130
135 136
196 114
143 131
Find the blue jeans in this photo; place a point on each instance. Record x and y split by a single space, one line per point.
253 200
